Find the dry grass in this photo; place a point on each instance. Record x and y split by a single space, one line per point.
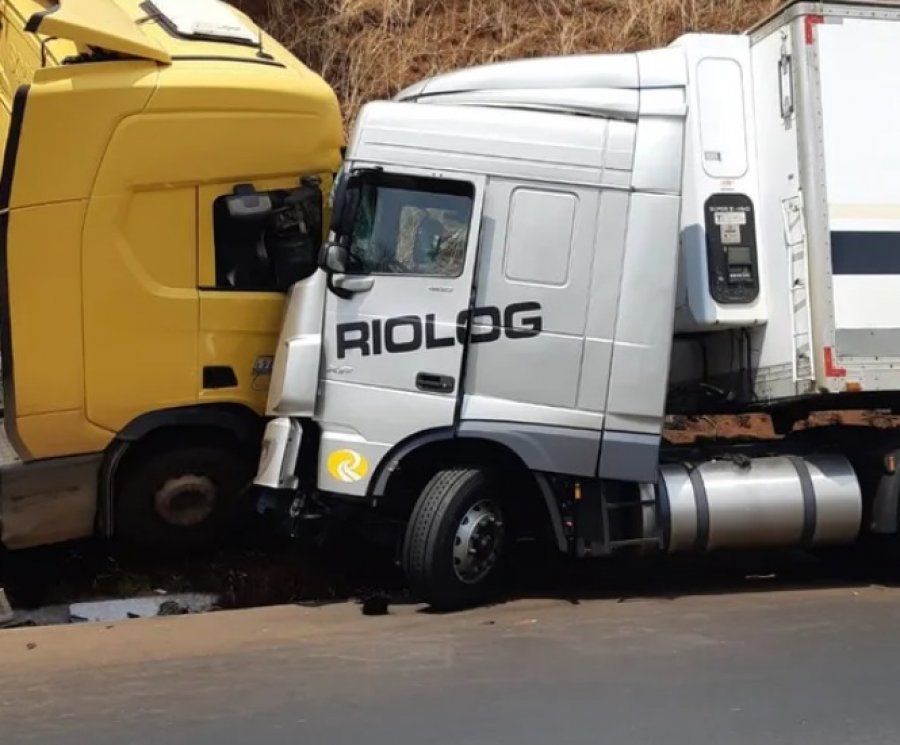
370 49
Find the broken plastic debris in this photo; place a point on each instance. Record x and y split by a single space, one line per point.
142 607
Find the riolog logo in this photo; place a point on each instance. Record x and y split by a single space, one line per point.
347 466
411 333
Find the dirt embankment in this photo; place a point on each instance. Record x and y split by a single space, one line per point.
369 49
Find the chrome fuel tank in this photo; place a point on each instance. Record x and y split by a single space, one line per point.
770 502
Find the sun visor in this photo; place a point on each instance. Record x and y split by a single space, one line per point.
100 24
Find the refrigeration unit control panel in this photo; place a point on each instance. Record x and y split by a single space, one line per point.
731 249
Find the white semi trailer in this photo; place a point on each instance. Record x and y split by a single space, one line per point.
532 264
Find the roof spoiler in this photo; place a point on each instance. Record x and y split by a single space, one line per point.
101 24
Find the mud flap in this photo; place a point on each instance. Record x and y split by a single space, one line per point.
886 505
48 501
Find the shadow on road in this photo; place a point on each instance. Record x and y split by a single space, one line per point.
664 577
263 571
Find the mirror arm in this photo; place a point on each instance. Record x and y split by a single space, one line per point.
339 291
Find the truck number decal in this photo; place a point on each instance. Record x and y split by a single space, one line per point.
410 333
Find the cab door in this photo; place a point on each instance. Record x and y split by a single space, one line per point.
397 318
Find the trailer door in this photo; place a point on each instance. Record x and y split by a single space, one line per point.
859 75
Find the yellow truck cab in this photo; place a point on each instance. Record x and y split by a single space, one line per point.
164 164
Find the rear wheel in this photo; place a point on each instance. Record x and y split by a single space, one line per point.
456 540
181 498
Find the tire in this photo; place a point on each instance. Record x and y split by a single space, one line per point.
458 510
180 500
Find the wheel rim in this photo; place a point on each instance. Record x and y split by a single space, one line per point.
186 501
478 542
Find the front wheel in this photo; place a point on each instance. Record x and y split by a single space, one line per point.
181 498
456 540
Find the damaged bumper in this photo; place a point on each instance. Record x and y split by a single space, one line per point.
278 456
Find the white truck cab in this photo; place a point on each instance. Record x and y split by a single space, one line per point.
533 263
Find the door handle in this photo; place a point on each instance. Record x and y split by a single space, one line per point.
354 284
435 383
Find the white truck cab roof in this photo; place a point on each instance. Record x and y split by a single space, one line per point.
620 85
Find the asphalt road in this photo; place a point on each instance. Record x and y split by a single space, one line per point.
770 666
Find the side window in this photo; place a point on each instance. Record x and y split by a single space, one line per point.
411 225
266 241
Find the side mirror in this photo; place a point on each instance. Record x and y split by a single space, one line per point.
334 258
248 204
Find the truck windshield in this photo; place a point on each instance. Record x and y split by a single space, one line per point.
410 225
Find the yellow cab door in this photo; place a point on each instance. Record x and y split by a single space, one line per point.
242 284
